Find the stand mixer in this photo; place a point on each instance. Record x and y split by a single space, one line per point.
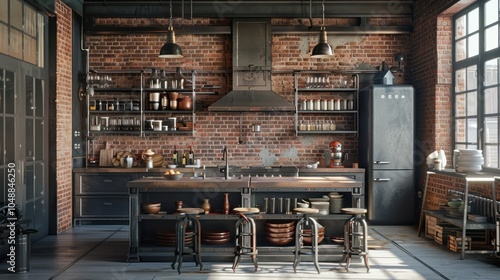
336 155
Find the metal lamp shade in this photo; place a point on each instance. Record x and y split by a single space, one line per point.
322 49
171 49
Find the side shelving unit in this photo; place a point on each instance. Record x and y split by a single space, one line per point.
125 103
326 102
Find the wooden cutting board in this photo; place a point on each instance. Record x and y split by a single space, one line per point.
106 156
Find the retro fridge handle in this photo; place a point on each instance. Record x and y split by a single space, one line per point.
381 179
381 162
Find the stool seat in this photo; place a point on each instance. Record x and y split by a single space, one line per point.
354 211
246 210
306 210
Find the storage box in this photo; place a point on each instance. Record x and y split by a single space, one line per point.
455 242
430 226
442 232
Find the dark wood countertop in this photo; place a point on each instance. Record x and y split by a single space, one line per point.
253 182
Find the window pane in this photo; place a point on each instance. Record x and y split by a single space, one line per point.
460 50
4 11
29 96
30 136
10 93
472 103
491 72
491 156
491 130
39 98
16 14
4 43
491 101
30 53
472 130
16 44
28 177
460 27
491 38
473 45
491 12
460 105
29 21
460 130
39 140
472 77
473 21
460 80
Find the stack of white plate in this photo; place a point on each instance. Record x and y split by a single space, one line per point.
470 161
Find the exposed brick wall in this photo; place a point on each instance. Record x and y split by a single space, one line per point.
63 115
277 143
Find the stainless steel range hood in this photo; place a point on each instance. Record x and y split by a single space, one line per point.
251 71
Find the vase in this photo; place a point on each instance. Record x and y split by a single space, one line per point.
226 203
206 206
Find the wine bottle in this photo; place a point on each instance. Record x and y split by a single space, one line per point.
191 155
183 159
175 156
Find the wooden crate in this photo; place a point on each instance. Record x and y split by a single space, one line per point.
430 226
442 231
455 242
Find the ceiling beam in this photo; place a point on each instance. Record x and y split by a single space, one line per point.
241 9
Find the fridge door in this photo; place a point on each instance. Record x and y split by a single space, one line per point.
391 197
391 125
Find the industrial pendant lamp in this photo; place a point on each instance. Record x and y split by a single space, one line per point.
322 49
171 49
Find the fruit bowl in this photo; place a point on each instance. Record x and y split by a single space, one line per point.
173 177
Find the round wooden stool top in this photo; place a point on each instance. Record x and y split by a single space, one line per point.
354 211
306 210
246 210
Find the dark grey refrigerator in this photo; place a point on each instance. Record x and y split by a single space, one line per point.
386 141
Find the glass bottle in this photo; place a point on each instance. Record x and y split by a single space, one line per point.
191 156
175 156
184 160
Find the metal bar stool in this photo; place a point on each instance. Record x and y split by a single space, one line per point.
187 219
355 236
246 236
300 249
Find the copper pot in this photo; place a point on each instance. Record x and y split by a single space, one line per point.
185 103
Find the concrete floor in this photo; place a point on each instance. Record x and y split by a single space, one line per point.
100 252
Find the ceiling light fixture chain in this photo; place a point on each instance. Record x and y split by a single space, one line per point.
170 49
322 49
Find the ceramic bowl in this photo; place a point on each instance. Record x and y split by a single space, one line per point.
280 225
280 241
280 235
151 208
172 166
172 177
279 230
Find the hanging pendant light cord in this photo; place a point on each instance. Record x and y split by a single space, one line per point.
170 20
323 20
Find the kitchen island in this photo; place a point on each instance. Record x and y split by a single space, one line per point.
242 192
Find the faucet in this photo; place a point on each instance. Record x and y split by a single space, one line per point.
224 157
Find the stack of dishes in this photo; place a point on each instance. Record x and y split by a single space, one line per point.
215 237
470 161
335 202
321 235
169 238
280 233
